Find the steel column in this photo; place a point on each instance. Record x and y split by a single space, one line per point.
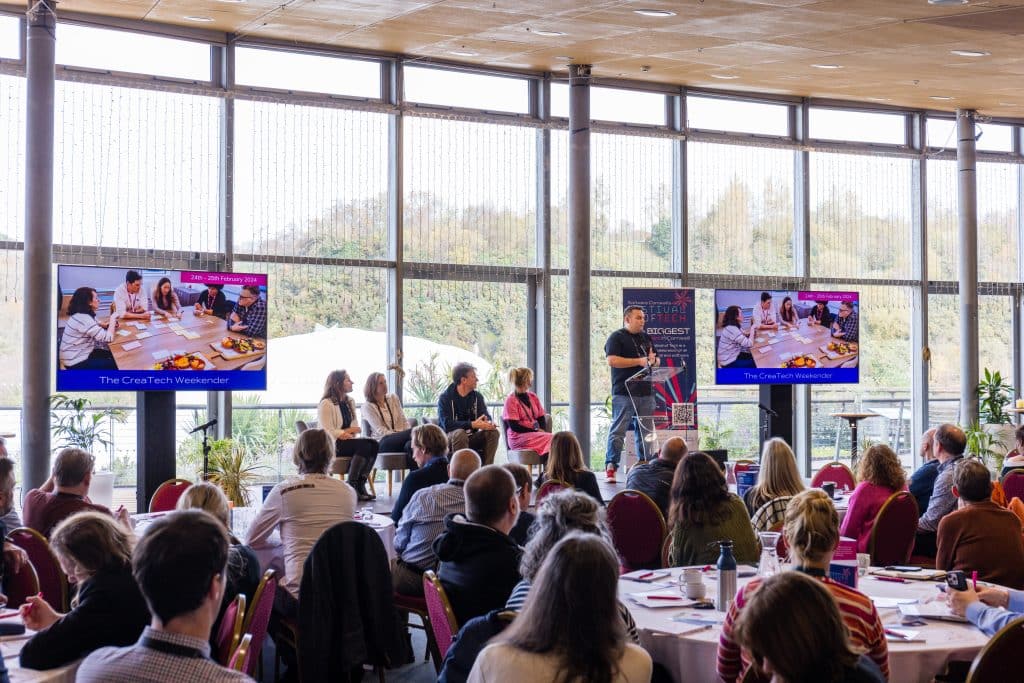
579 254
967 195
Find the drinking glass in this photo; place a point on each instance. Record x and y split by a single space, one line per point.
769 563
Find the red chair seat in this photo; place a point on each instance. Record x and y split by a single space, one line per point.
638 530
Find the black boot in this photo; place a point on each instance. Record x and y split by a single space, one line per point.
356 478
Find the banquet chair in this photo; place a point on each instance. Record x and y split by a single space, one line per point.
303 425
526 456
781 546
21 584
53 582
230 632
892 536
549 487
412 604
442 618
742 466
638 530
666 546
999 660
241 657
388 461
166 496
1013 484
257 620
835 472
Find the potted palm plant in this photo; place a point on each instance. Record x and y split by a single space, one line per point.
995 394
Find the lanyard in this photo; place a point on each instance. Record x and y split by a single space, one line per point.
391 417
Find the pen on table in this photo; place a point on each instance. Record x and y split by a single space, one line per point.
896 634
645 576
974 579
891 579
663 597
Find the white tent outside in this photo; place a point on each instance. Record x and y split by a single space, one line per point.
297 365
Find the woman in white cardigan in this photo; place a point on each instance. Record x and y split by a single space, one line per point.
337 416
388 424
569 628
83 344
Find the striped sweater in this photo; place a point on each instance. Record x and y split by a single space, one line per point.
859 614
82 335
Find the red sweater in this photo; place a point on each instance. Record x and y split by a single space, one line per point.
986 538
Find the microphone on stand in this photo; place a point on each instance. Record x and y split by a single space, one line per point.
204 426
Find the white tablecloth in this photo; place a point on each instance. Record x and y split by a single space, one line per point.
691 658
11 646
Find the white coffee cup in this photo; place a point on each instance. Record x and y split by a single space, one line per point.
863 562
695 591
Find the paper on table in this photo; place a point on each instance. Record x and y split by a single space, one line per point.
123 333
159 325
885 603
764 349
161 354
931 610
645 576
128 346
144 335
139 326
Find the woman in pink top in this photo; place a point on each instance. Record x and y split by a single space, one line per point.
522 415
881 475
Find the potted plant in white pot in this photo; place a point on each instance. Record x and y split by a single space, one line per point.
995 395
74 422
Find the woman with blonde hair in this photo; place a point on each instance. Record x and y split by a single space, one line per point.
778 481
315 502
793 631
95 551
880 475
243 572
388 425
337 415
811 529
523 415
565 463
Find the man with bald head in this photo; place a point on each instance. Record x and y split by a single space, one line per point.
423 521
923 479
479 560
654 478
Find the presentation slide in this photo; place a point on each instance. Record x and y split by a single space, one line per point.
145 329
786 337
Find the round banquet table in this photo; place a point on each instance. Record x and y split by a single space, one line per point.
11 646
690 654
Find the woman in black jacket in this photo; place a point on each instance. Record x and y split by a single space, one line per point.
96 553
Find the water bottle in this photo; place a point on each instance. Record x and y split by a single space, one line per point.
726 576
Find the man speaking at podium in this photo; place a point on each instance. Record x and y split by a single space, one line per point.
629 350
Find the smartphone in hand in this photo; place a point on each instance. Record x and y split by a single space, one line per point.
956 580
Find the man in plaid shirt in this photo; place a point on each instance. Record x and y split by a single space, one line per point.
250 314
845 325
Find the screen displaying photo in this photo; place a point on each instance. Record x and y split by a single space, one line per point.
145 329
786 337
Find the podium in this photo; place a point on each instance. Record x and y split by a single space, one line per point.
646 423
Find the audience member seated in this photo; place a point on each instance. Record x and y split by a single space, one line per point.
703 511
922 481
794 631
654 478
243 574
479 562
96 553
8 514
179 564
980 536
165 301
1014 458
522 415
880 475
337 414
559 636
83 344
388 424
429 446
462 412
302 508
989 608
777 482
249 316
213 302
524 487
424 520
63 494
559 515
948 446
811 529
565 463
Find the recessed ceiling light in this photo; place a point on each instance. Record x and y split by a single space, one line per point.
201 20
233 2
826 66
654 12
1008 104
567 58
948 2
464 53
880 99
548 34
941 98
725 77
970 53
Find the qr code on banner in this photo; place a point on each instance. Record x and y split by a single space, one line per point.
682 415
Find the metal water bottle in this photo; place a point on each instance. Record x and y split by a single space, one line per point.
726 576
